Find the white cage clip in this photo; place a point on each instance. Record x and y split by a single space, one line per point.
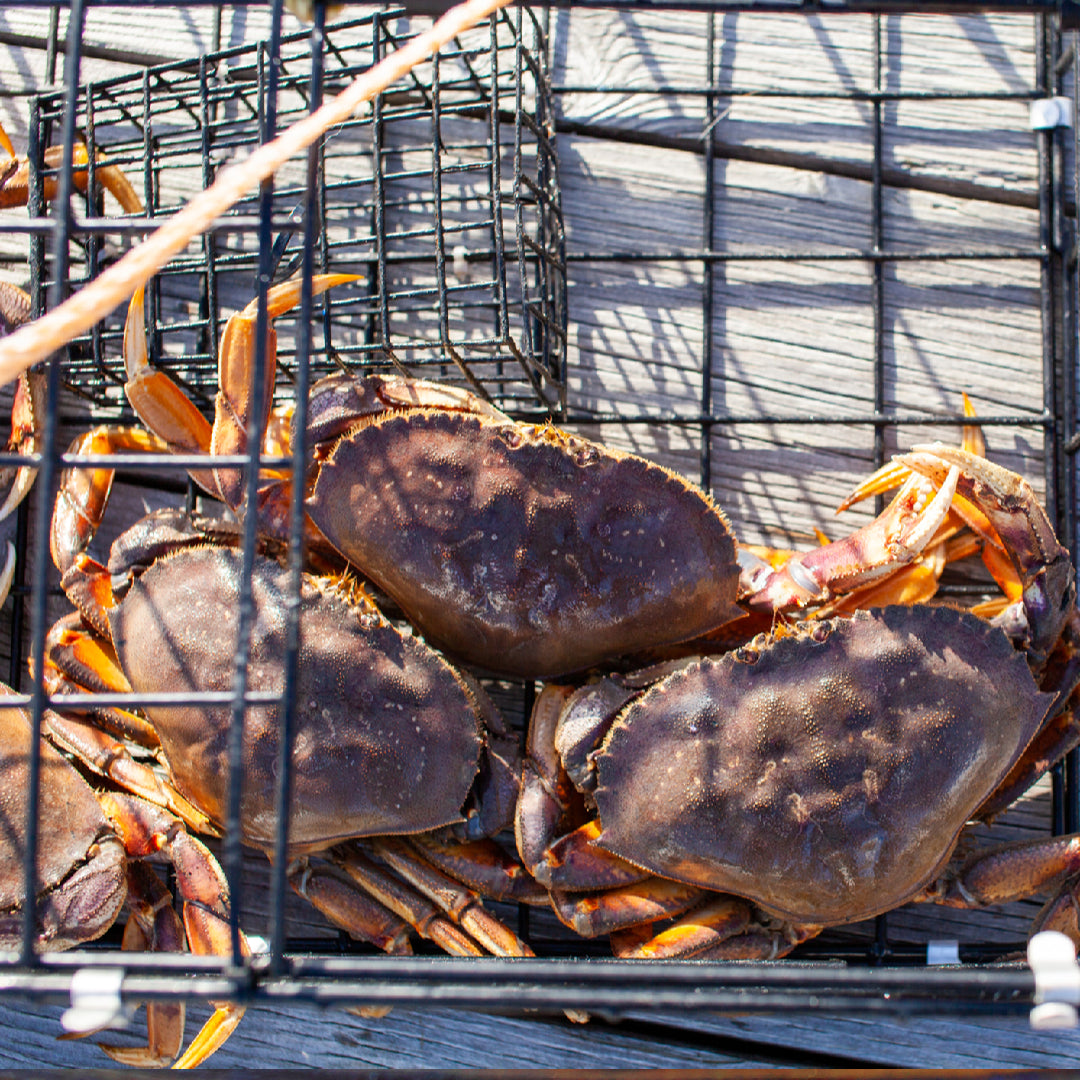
1051 112
1052 958
95 1001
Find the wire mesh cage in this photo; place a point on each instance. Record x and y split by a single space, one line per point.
673 309
443 197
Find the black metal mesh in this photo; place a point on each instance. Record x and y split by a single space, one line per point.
442 195
445 197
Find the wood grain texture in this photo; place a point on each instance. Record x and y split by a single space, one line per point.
786 339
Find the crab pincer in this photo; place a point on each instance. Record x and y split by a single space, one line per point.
1044 567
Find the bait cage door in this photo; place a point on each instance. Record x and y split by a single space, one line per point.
439 275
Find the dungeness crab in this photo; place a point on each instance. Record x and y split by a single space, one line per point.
390 741
819 775
515 547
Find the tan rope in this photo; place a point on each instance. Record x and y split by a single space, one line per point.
40 338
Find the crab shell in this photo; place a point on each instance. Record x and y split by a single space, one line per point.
387 734
80 859
826 780
522 549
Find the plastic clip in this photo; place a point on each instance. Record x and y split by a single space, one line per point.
95 1001
1051 112
942 953
1052 959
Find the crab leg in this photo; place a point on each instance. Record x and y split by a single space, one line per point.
460 903
149 831
15 182
705 926
404 902
485 867
27 412
1044 567
893 473
15 179
153 926
896 537
616 909
167 411
28 406
352 910
108 756
1005 873
84 492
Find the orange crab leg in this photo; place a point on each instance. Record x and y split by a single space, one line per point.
84 492
153 926
460 903
345 906
716 920
912 584
484 866
147 831
167 411
232 407
616 909
158 402
893 473
15 184
391 893
27 414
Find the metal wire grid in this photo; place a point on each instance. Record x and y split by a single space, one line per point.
442 195
558 983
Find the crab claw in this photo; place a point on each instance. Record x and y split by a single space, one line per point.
1043 566
27 411
893 539
893 473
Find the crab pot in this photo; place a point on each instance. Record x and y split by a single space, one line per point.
766 248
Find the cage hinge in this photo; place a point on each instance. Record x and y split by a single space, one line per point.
95 1001
1052 959
1051 112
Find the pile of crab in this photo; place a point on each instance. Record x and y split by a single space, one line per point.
804 746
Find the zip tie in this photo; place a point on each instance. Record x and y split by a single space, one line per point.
1052 959
1051 112
95 1001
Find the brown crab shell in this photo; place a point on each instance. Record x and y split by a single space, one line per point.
522 549
828 780
387 735
80 861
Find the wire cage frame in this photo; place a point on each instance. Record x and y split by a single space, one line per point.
453 225
189 116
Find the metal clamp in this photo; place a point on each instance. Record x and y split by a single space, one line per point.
95 1001
1052 959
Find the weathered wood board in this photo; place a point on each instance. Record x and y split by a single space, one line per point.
788 339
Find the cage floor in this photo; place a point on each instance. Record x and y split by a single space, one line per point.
790 339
